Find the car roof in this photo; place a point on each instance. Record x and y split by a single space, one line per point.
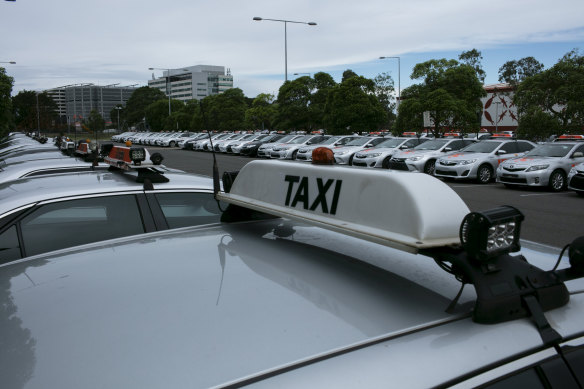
24 191
49 166
150 312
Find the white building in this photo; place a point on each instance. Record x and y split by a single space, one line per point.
193 82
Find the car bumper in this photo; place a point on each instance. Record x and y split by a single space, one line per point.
576 182
457 171
537 178
343 159
367 162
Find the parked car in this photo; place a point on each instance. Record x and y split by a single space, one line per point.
422 158
380 155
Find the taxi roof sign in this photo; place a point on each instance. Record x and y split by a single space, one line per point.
127 158
571 137
393 208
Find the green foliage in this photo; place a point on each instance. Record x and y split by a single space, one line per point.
31 109
293 104
552 101
224 112
384 90
135 110
262 112
473 58
95 122
157 114
6 118
513 72
450 94
323 84
353 107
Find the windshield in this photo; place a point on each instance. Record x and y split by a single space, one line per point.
390 143
358 142
301 139
287 138
550 151
331 140
432 145
481 147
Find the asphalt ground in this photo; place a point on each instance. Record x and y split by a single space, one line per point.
553 219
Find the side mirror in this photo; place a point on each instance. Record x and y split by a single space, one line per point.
447 149
500 152
404 147
578 154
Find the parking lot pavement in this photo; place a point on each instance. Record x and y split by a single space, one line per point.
553 219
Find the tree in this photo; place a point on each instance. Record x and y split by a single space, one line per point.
384 89
473 58
32 109
514 72
293 104
323 85
552 100
136 105
157 114
95 122
353 107
348 74
6 118
262 113
449 93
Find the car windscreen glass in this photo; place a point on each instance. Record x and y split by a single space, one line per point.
286 138
482 147
554 150
9 245
189 209
300 139
390 143
431 145
70 223
358 141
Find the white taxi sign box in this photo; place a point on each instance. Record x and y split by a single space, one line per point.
121 157
404 210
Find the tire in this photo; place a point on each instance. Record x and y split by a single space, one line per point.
172 144
557 181
351 160
385 163
430 167
484 174
294 154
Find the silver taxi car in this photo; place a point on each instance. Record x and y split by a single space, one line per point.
480 161
340 295
545 165
264 151
380 155
291 149
576 179
305 152
422 158
345 155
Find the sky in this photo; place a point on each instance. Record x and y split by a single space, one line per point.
62 42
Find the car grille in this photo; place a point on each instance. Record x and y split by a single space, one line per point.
359 163
513 180
447 163
577 182
397 164
445 173
360 156
513 169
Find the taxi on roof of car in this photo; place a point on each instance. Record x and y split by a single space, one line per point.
338 292
422 158
479 161
545 165
380 155
53 211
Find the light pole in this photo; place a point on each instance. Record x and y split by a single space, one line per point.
258 19
298 74
398 78
168 85
118 108
10 62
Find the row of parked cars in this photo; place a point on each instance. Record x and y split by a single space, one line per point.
501 158
119 272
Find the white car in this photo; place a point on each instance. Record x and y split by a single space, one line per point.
422 158
480 160
344 155
576 179
265 149
290 149
305 152
307 282
380 155
545 165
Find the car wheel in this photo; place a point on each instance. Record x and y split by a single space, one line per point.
294 154
172 143
484 174
385 163
429 167
557 181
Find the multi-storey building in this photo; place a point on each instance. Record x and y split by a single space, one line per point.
193 82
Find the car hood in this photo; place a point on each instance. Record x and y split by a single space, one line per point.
461 156
530 161
412 153
346 148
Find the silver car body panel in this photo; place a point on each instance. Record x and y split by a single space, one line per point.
37 168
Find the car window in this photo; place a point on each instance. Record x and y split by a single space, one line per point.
70 223
524 146
580 149
188 209
9 245
510 147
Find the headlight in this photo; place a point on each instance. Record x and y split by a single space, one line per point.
372 155
537 167
417 158
467 161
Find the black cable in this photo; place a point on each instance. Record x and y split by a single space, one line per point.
560 257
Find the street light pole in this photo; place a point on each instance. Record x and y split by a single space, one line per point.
297 74
10 62
398 78
258 19
118 108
